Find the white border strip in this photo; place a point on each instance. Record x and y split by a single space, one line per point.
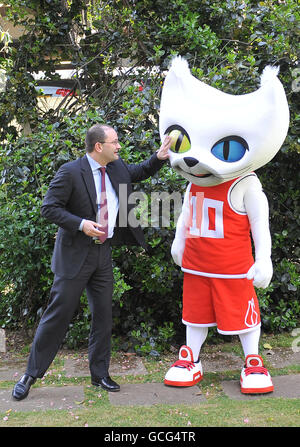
213 275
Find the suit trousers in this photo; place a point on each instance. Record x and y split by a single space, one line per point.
96 276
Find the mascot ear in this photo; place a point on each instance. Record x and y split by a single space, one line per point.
273 91
173 93
274 101
180 67
178 76
269 74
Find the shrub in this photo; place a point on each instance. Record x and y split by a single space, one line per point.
147 298
280 302
227 45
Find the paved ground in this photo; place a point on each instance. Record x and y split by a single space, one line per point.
145 394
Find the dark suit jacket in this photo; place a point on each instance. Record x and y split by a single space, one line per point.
71 197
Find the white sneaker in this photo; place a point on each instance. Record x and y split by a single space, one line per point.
185 371
255 378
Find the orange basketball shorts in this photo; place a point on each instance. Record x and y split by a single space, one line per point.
230 304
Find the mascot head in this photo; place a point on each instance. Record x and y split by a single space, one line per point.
217 136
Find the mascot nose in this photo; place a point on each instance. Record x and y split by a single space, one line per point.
190 161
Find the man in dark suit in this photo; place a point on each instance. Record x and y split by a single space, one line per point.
77 197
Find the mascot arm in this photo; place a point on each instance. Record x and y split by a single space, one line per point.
257 208
178 245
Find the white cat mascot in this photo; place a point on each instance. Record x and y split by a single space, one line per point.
218 141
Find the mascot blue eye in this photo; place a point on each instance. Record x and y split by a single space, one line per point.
230 149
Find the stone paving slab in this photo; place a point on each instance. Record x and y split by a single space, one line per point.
76 368
144 394
147 394
220 361
211 362
135 368
287 387
9 372
280 358
2 341
44 398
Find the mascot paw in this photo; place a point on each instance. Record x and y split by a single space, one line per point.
185 371
177 250
261 272
255 378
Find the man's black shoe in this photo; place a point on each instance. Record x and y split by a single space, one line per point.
106 383
21 389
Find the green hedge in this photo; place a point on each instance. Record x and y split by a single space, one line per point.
227 44
147 297
280 303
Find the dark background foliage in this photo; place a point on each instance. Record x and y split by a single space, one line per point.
227 44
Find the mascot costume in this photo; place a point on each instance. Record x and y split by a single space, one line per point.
218 141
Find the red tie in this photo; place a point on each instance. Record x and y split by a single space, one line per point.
103 218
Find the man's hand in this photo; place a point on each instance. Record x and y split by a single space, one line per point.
162 153
90 229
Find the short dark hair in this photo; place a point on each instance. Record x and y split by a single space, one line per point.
97 133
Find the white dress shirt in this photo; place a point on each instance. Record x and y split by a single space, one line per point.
112 199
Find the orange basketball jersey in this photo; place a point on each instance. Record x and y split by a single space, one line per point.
218 242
